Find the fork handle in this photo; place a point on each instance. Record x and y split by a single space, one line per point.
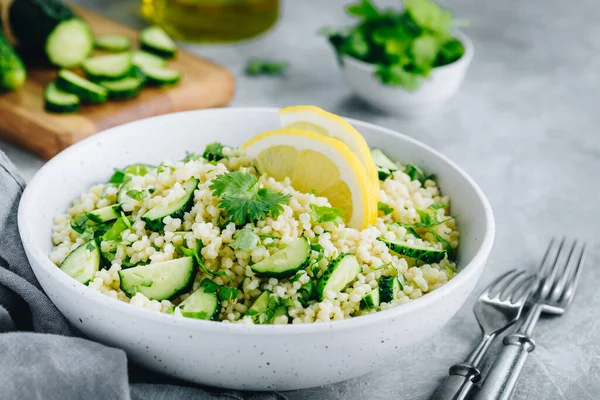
502 378
458 383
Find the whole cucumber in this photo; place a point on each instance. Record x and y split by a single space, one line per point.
12 70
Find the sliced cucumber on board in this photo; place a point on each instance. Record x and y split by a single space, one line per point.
371 300
154 217
339 274
285 262
428 256
144 59
159 281
112 66
58 101
123 89
156 40
201 305
83 262
86 90
113 42
384 165
12 70
51 29
389 288
158 76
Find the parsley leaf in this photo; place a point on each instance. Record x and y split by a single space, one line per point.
243 200
385 208
136 194
245 239
197 256
227 293
415 173
364 9
209 286
257 66
213 152
118 177
322 214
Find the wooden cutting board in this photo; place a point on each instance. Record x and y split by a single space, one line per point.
23 120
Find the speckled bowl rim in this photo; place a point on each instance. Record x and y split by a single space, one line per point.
470 271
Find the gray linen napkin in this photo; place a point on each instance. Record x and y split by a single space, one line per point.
43 357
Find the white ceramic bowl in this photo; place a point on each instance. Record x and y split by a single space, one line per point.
240 356
442 84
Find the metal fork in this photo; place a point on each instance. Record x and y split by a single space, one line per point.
497 308
559 274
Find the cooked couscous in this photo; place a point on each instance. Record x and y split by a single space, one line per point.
223 249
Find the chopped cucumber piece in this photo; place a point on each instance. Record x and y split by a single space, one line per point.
123 89
12 69
154 217
104 214
144 59
156 40
384 165
279 311
285 262
371 300
428 256
159 281
113 42
113 66
339 274
83 262
260 306
80 223
138 169
201 305
157 76
57 101
389 288
87 91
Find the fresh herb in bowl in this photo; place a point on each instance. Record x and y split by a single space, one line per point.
405 45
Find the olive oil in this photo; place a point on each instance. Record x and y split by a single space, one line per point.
212 20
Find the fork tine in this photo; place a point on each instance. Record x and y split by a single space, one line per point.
569 292
561 280
549 273
512 285
522 292
497 286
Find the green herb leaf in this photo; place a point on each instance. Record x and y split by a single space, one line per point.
209 286
321 214
447 246
245 239
415 173
385 208
257 66
80 223
425 50
197 255
396 75
117 177
244 201
191 157
308 290
227 293
364 9
437 206
214 152
136 194
429 15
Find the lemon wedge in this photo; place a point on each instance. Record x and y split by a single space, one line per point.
316 162
317 120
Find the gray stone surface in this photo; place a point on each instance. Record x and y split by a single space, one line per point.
525 126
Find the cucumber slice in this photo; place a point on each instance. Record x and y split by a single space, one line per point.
157 76
154 217
87 91
83 262
144 59
156 40
260 306
389 288
12 69
384 165
104 214
201 305
428 256
371 300
339 274
285 262
80 223
159 281
113 42
113 66
123 89
57 101
138 169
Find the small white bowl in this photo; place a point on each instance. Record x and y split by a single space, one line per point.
254 357
443 83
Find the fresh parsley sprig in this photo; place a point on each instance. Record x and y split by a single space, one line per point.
320 214
243 200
